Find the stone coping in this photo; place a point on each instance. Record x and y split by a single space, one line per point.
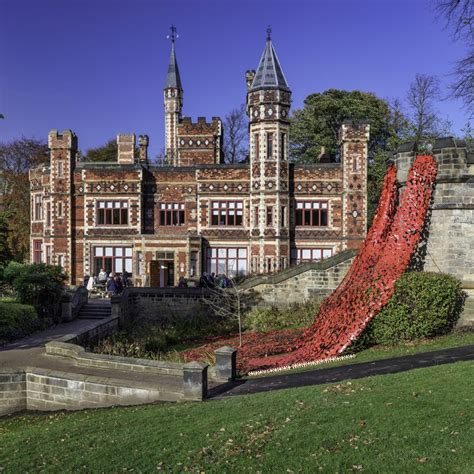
294 271
122 382
112 362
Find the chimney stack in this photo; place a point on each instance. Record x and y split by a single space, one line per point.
143 143
126 149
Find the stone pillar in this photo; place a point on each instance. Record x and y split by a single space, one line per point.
226 363
116 302
66 308
403 159
195 381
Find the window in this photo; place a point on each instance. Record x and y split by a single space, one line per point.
309 255
113 259
38 207
193 264
37 251
61 261
60 209
112 212
48 214
256 215
257 146
172 214
227 213
48 254
313 213
60 169
269 216
269 145
283 217
282 146
229 261
140 263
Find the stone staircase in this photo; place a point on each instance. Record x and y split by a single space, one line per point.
98 309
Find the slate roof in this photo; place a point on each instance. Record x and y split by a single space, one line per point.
269 73
173 78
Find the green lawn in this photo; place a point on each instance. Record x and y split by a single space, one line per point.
417 421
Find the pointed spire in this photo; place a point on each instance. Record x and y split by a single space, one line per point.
173 78
269 73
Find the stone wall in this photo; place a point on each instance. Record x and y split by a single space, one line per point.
12 392
301 283
450 229
163 304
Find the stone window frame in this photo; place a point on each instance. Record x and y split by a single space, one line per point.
127 260
222 255
37 251
170 211
37 205
122 205
313 205
297 254
224 209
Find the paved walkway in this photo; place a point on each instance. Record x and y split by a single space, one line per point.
346 372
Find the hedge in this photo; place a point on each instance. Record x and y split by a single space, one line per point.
424 305
17 320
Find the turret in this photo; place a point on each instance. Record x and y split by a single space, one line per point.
173 100
268 104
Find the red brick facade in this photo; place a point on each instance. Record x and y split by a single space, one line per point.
195 214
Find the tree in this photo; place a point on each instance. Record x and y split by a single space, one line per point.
226 303
235 135
16 158
459 14
317 124
422 93
102 154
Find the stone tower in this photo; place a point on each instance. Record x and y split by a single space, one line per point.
63 149
173 97
268 104
354 139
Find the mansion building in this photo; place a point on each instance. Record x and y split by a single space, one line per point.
197 214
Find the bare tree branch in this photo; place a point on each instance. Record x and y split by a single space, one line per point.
235 135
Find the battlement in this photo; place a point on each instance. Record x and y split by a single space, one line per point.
67 139
201 121
454 161
354 131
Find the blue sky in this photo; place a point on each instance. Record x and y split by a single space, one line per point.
98 67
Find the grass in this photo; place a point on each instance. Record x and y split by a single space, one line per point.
417 421
455 339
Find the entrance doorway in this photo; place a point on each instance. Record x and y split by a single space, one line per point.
162 270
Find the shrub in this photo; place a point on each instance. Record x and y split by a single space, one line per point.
423 305
17 320
269 319
39 285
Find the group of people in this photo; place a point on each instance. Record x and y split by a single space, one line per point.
112 283
214 281
208 281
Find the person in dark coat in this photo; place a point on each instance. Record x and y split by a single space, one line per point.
112 287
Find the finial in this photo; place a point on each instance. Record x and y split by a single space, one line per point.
173 34
269 33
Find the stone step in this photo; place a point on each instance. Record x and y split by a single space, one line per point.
93 316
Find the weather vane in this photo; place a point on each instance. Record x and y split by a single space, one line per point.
269 33
174 33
